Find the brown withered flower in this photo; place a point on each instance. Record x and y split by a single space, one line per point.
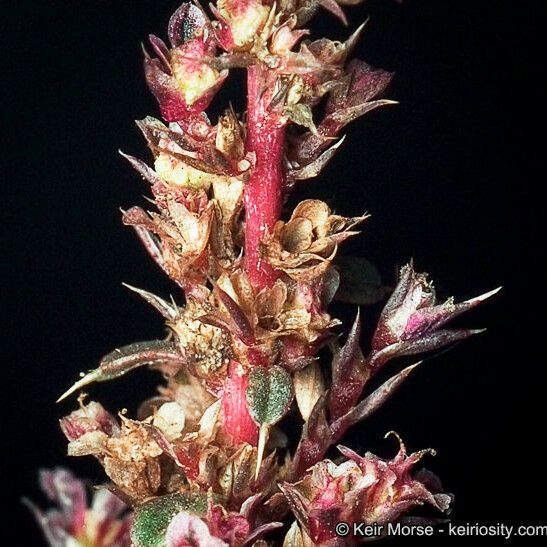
209 461
262 323
127 451
188 392
202 170
205 347
304 246
183 238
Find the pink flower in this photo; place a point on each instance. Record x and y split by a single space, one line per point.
103 524
361 489
230 527
187 530
412 319
182 82
88 419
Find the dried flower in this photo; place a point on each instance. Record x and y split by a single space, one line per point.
305 246
183 236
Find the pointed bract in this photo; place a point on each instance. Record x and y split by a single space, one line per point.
411 320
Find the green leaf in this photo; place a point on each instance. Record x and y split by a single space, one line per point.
360 281
127 358
269 394
153 517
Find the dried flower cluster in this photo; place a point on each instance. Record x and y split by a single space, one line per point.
205 462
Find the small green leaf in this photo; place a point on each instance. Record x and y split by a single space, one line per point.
269 394
153 517
360 281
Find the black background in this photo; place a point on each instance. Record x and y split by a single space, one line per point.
449 176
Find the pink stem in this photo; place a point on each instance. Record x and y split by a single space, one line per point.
237 420
264 191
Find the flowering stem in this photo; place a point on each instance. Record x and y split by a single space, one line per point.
264 191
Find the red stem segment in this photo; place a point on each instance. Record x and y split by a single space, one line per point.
264 191
263 199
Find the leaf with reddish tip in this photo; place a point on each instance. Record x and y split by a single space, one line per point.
341 118
315 441
350 96
335 9
430 342
161 50
364 84
125 359
360 281
350 371
411 318
370 404
428 319
242 327
316 166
